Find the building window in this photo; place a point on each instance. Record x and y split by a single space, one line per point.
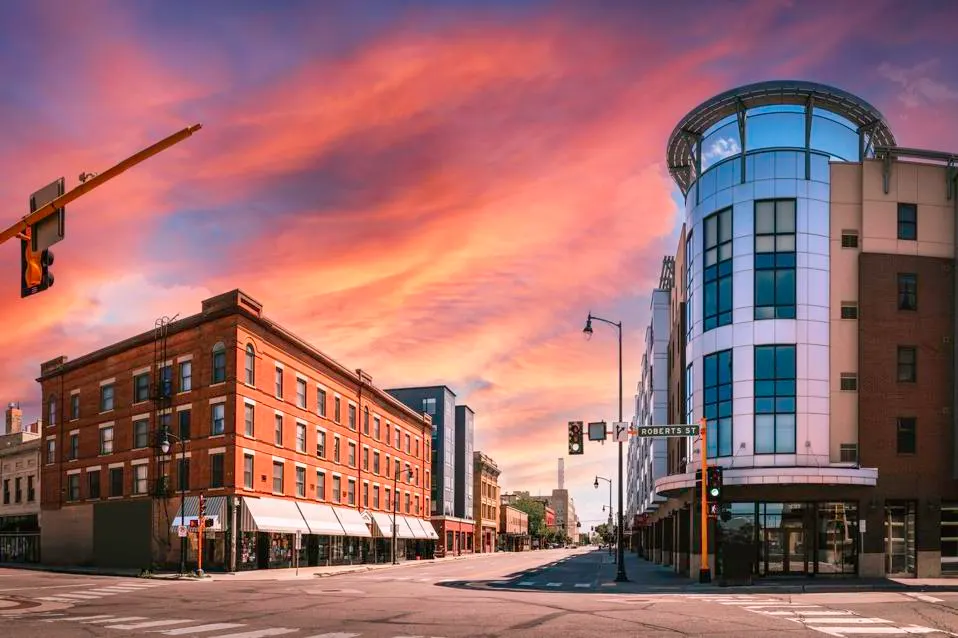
219 363
278 477
406 502
375 462
775 259
717 288
848 382
849 310
688 394
141 433
376 430
279 382
301 482
93 484
166 381
397 443
278 430
365 459
907 364
906 435
336 442
186 376
19 489
106 398
387 502
249 419
106 440
73 487
183 474
366 421
31 492
321 486
184 419
250 366
321 402
301 393
352 454
6 491
375 497
248 471
351 492
52 410
218 416
216 469
51 451
337 487
689 276
365 494
74 407
775 399
337 409
907 291
140 485
116 481
908 221
74 452
408 444
429 406
301 437
320 444
352 417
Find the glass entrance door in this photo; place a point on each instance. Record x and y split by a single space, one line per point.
785 551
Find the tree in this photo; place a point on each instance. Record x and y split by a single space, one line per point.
537 513
605 533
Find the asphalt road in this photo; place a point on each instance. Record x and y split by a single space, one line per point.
555 593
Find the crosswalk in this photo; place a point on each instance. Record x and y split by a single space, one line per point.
192 627
840 623
85 594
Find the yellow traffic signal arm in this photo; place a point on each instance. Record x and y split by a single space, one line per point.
21 226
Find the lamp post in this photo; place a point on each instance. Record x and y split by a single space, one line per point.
409 475
165 448
620 576
596 486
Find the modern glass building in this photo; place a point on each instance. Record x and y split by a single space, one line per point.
801 209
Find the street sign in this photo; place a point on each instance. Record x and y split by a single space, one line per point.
620 430
597 431
181 531
299 541
680 429
714 510
50 229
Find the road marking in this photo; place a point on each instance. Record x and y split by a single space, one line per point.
526 583
79 596
553 584
147 625
79 618
844 620
924 597
583 585
334 635
260 633
841 632
109 620
198 629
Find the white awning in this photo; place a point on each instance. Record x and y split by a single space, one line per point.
382 524
189 511
417 529
352 522
275 515
320 519
430 530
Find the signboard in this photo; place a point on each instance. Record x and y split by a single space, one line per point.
50 229
597 431
620 431
181 531
681 429
299 541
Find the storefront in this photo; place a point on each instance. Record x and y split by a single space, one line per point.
266 535
214 536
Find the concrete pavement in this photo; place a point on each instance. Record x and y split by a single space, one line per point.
442 599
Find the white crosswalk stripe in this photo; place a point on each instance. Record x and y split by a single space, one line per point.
182 631
99 592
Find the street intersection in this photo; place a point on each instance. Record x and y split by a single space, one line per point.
545 593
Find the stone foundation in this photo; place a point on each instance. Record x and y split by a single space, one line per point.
871 565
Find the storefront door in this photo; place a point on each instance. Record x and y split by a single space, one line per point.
785 551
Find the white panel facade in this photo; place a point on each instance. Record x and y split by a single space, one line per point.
808 331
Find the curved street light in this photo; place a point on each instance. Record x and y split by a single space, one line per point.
620 576
409 475
596 486
165 449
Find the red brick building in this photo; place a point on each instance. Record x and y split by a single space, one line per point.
279 438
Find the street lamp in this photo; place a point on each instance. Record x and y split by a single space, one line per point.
165 448
596 486
620 576
409 475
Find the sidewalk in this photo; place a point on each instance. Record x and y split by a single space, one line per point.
260 574
647 577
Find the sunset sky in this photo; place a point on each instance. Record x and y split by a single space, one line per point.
436 192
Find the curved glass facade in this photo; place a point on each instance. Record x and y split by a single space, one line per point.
758 296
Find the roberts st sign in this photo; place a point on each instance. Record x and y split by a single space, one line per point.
667 430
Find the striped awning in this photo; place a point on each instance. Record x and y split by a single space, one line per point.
272 515
189 510
382 524
321 519
417 529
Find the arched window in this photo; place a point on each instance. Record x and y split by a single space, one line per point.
219 363
52 410
250 364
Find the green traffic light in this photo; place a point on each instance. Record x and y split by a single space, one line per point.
714 491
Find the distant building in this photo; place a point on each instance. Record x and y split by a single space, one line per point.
564 506
20 505
486 509
464 470
513 529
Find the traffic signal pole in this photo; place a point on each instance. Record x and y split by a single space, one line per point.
705 574
21 226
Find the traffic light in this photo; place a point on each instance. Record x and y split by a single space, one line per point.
35 274
714 484
575 438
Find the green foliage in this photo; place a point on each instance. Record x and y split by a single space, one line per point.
537 514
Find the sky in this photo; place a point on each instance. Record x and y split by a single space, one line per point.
437 192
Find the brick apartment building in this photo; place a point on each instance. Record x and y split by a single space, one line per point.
487 501
279 438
